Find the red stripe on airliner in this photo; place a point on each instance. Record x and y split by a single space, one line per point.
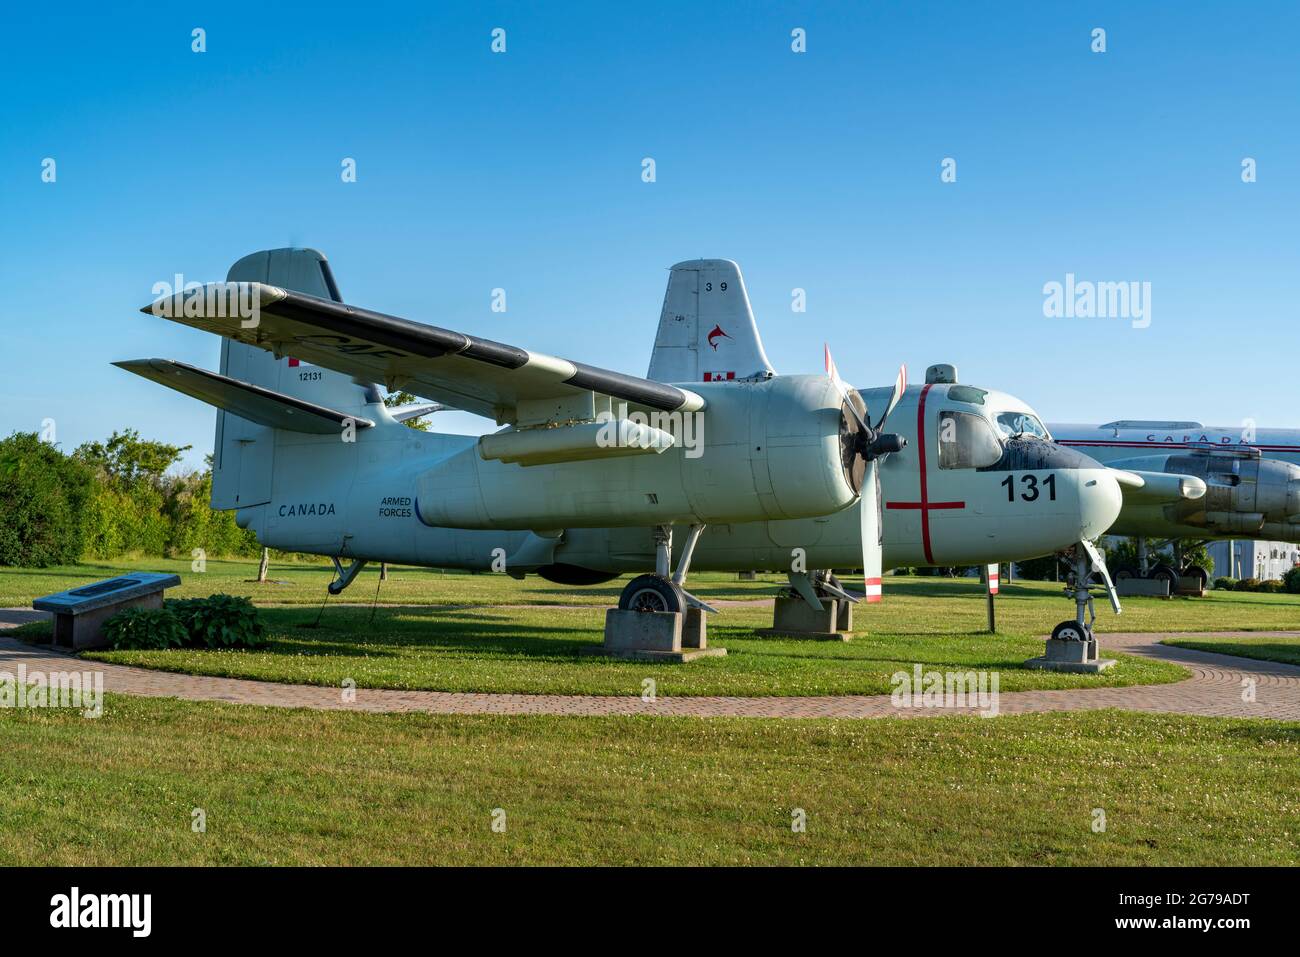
1101 443
925 505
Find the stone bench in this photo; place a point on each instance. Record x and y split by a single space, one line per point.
80 613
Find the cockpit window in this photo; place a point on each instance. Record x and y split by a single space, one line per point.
967 393
966 441
1020 424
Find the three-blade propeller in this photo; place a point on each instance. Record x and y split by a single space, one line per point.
863 445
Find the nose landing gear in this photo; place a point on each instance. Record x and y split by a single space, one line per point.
1087 564
1072 646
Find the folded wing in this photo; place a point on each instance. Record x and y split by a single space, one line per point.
502 382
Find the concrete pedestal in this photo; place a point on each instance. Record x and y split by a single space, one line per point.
655 636
1079 657
1149 587
695 629
795 618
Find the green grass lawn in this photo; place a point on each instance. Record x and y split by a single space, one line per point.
304 583
1021 606
531 650
1262 648
462 632
299 787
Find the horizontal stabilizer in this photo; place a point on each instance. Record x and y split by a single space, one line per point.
252 402
407 412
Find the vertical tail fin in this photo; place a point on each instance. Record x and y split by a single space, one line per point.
243 453
707 329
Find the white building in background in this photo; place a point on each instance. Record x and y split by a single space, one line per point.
1243 558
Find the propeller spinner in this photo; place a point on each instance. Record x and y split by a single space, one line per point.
862 446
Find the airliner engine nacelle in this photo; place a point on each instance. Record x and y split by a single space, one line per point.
766 449
1244 494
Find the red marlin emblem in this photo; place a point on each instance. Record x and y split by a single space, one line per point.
717 331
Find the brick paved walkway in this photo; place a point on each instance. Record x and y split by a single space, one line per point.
1214 689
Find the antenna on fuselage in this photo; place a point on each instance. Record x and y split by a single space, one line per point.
941 373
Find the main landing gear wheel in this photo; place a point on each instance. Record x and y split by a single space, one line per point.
1072 630
1196 571
1125 572
1164 573
652 593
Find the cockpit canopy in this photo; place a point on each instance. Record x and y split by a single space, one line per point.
972 437
1021 423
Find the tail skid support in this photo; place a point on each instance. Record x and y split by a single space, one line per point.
346 576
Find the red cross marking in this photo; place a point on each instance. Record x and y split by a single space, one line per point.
925 505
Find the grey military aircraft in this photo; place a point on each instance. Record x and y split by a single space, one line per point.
594 468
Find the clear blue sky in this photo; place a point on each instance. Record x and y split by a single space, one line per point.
522 171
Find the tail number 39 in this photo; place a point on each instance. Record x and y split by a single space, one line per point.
1029 487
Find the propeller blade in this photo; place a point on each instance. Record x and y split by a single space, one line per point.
900 386
834 374
831 371
869 518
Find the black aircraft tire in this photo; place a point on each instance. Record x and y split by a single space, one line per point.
1196 571
1123 572
1071 630
652 593
1165 573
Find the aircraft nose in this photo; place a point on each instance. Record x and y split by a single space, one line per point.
1100 499
1097 497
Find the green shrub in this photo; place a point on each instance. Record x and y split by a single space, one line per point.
195 524
1042 569
219 621
42 497
1225 584
1246 584
146 628
1271 586
1291 581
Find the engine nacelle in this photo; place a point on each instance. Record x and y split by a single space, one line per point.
759 450
1242 491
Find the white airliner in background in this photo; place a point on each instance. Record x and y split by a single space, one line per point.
1252 479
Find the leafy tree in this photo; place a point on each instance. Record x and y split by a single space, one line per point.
194 523
396 399
1123 551
43 495
127 459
